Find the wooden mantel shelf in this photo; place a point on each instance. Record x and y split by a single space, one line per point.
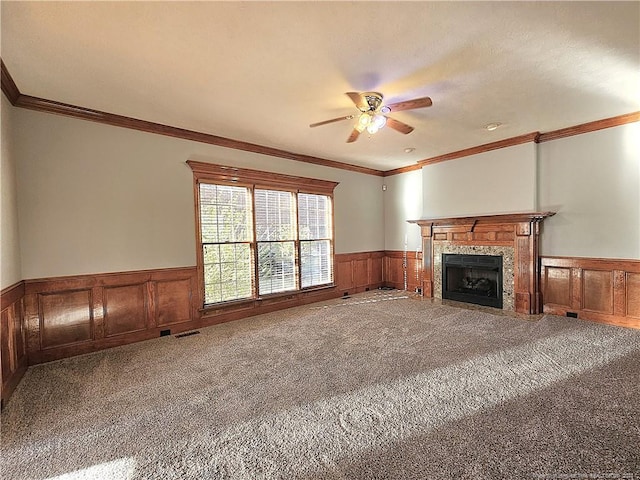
517 231
475 219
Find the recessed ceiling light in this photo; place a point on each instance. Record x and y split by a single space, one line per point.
409 150
492 126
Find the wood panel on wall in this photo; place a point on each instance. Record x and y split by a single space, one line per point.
13 350
53 318
125 309
73 315
358 272
519 231
69 316
603 290
403 270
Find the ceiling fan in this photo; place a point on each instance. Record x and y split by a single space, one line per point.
373 114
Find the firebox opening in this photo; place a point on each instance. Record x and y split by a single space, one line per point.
473 279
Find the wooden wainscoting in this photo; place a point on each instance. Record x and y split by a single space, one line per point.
358 272
52 318
603 290
13 359
401 267
69 316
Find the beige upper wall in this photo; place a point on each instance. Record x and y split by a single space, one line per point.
94 198
402 202
592 181
11 270
499 181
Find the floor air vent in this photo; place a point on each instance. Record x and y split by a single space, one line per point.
187 334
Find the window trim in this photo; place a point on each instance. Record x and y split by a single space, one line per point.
204 172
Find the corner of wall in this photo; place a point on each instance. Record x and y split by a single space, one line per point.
10 256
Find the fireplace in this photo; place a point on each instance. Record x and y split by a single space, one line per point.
473 279
514 236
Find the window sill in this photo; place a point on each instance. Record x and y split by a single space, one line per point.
290 293
249 303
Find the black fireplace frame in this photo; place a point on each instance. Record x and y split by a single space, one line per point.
491 263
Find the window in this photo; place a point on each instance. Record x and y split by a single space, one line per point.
226 233
276 235
261 234
314 224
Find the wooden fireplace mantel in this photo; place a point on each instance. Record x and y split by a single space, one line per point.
519 231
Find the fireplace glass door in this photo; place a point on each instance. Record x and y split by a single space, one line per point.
473 279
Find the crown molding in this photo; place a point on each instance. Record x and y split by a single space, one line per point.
49 106
408 168
487 147
590 127
9 87
531 137
11 91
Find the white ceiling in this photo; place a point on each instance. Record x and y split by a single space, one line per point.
261 72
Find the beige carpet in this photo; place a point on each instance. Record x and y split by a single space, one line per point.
376 386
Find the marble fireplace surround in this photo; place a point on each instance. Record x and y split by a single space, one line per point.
514 236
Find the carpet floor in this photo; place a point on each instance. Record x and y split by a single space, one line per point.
378 386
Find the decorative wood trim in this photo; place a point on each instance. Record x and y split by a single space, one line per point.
11 91
471 222
358 272
169 296
410 254
58 108
519 231
212 173
13 357
73 331
221 173
11 294
590 127
487 147
78 282
531 137
9 386
9 87
397 264
599 289
626 265
408 168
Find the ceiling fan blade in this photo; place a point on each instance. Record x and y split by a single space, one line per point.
354 136
411 104
398 125
347 117
358 101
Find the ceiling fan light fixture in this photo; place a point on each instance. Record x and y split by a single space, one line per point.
372 114
365 119
379 121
